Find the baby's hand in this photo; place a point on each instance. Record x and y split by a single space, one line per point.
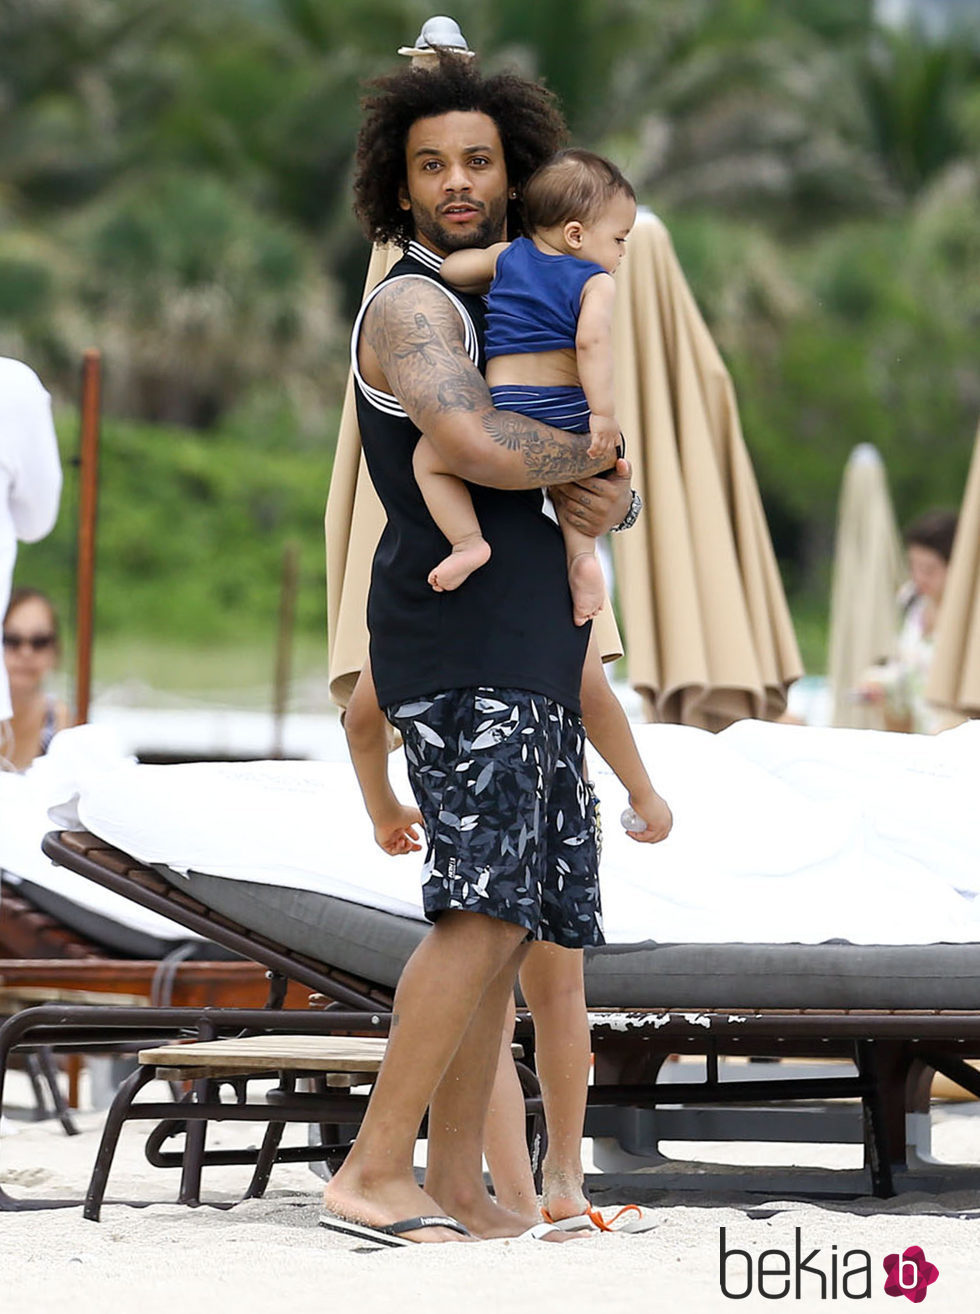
655 812
396 833
605 437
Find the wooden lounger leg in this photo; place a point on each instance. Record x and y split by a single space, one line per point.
117 1115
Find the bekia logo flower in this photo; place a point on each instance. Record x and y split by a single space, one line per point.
909 1274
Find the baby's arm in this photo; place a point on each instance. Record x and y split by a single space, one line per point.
367 733
609 732
472 270
594 355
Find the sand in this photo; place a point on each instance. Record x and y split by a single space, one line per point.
270 1254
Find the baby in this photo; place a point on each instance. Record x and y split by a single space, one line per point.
548 346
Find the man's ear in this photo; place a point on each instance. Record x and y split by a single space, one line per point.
573 234
404 200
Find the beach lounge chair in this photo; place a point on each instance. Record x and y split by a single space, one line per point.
47 941
896 1012
53 950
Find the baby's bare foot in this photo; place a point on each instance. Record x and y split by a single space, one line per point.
455 569
587 586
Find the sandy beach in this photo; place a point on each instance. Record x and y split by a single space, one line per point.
271 1254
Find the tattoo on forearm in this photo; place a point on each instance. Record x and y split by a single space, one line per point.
547 459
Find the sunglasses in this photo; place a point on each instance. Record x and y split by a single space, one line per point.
36 642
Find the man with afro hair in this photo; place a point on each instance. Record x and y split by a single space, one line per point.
483 682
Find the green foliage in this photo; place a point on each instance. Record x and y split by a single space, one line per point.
174 188
191 533
858 335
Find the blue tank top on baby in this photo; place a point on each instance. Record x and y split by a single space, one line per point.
533 306
534 300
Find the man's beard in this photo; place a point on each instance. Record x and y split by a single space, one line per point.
489 229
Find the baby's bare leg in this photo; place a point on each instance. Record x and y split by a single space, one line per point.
585 581
451 507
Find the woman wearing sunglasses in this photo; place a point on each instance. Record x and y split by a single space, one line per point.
30 487
30 653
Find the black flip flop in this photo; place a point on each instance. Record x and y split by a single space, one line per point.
391 1234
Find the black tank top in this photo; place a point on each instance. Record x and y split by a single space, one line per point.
510 624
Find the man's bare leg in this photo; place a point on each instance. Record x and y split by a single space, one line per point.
440 990
457 1122
458 1113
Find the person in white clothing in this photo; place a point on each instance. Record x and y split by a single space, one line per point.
899 684
30 483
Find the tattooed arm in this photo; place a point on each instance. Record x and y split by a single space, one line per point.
412 346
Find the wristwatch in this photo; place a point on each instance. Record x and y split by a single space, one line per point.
632 515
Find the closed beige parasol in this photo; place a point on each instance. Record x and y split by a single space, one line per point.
869 568
708 632
954 677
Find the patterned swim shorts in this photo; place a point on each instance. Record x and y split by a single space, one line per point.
509 817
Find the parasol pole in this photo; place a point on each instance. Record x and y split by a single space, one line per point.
87 509
284 645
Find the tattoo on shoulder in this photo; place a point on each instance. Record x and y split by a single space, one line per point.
417 336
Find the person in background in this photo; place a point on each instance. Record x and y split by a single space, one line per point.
30 485
899 684
30 652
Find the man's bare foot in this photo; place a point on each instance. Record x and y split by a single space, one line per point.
380 1203
468 555
562 1195
587 586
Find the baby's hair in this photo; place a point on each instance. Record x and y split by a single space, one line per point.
574 184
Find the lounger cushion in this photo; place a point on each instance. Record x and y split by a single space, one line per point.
348 936
745 976
376 945
116 935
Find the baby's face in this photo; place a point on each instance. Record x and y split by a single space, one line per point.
604 238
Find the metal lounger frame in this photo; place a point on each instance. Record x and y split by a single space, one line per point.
894 1051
